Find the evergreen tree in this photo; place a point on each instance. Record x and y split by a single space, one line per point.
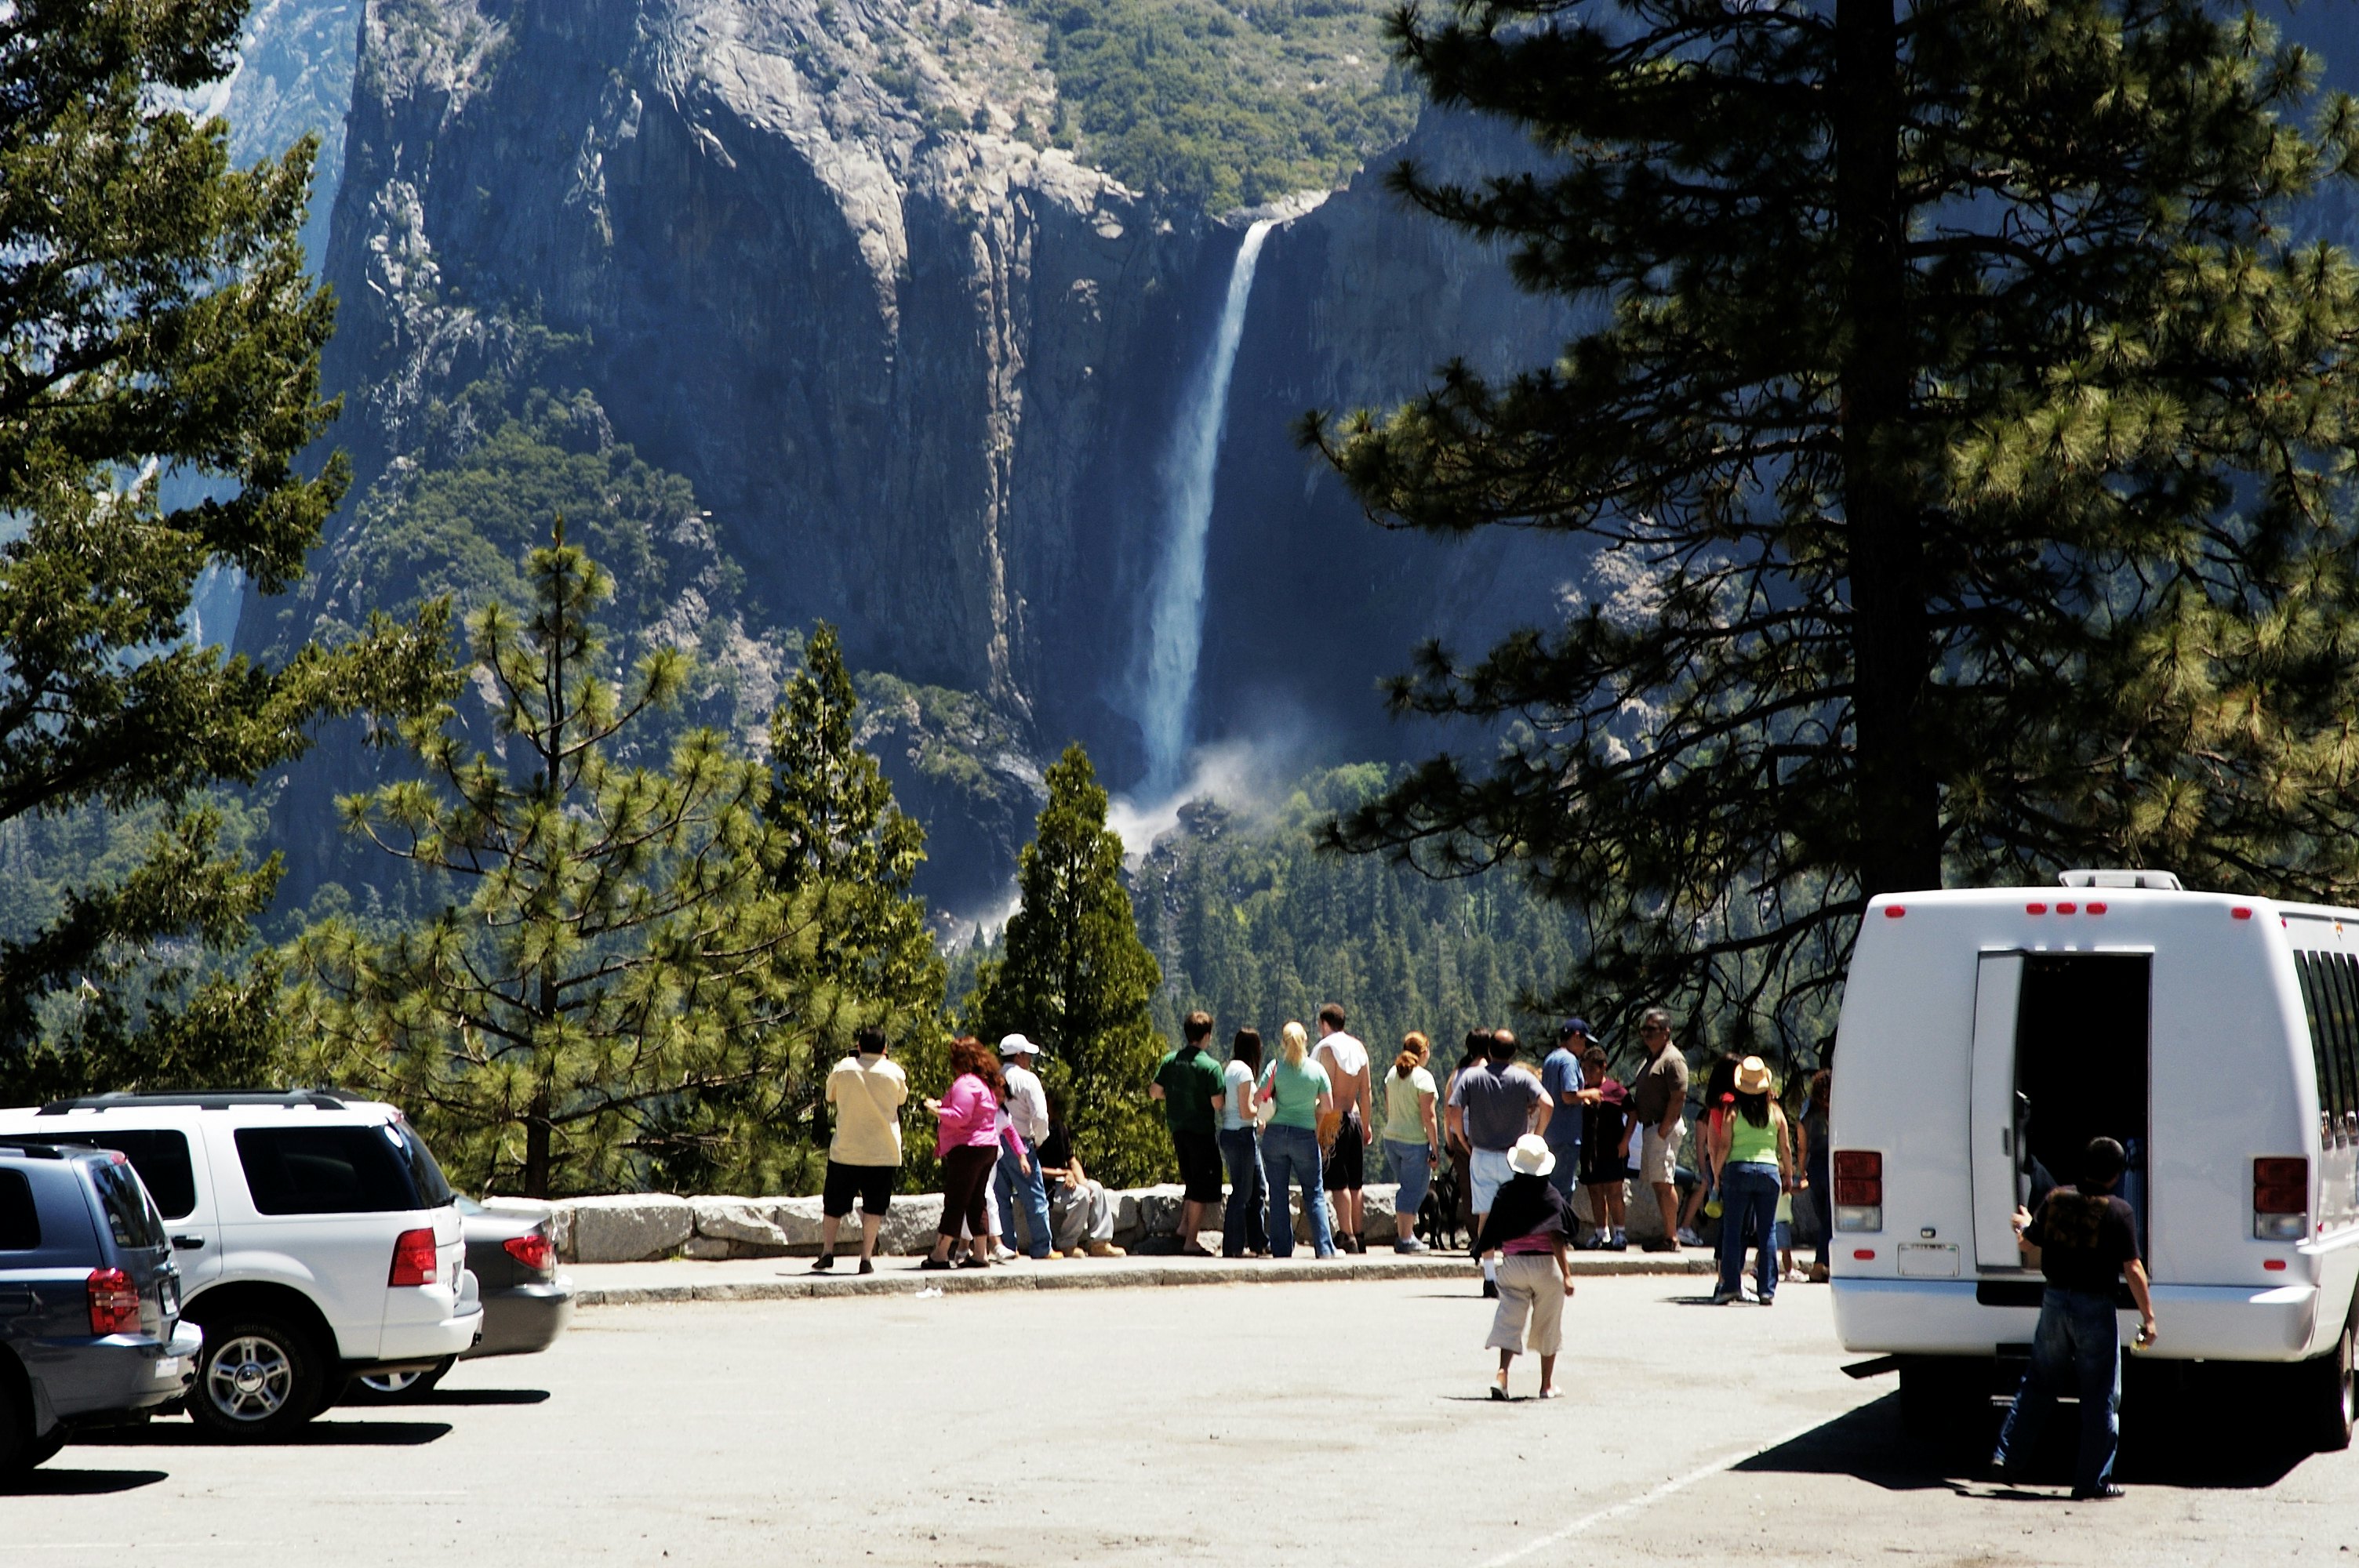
1958 444
155 321
1075 977
841 838
622 950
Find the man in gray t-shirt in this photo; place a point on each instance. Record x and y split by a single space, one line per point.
1490 1107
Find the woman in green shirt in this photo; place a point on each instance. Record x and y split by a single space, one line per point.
1412 1142
1300 1089
1754 1154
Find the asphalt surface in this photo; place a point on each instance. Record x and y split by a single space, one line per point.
1318 1423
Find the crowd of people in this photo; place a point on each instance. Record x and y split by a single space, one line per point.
1250 1130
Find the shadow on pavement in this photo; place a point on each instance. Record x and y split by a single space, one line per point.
52 1482
317 1434
481 1396
2176 1446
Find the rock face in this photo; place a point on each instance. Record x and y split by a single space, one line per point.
921 371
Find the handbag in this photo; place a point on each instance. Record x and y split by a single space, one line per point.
1331 1123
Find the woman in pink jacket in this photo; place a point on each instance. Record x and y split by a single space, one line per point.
968 1145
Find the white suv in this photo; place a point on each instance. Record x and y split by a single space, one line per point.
316 1237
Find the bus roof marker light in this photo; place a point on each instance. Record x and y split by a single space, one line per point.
2240 912
2034 909
2068 909
1893 912
2097 908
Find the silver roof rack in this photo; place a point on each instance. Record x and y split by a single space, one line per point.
2166 881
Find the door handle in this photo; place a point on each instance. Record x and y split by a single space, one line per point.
187 1243
2007 1140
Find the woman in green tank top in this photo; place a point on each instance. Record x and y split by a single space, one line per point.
1754 1154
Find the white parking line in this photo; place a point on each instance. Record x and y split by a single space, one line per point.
1632 1505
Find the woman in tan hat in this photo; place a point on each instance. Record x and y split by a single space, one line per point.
1527 1226
1754 1154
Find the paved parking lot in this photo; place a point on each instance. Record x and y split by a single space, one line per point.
1311 1423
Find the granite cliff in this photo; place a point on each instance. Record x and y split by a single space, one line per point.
919 366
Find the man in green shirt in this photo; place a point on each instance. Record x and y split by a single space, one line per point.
1188 1082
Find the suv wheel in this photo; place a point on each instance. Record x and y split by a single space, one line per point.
395 1388
258 1378
19 1451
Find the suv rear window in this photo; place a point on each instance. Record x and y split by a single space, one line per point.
158 1154
428 1175
327 1170
20 1225
129 1214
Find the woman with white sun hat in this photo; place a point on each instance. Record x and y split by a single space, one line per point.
1527 1225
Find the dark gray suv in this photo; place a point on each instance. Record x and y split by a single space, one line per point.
90 1300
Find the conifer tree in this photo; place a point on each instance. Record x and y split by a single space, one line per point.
841 841
621 948
155 321
1958 447
1075 978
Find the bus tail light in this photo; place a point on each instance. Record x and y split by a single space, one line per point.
2281 1199
1859 1189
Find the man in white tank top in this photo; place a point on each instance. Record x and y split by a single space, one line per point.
1346 1060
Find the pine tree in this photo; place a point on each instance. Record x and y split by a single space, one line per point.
841 839
621 950
155 321
1957 448
1075 977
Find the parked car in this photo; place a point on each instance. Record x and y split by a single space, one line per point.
316 1237
90 1300
527 1302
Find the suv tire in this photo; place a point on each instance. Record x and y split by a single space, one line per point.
259 1377
396 1388
18 1451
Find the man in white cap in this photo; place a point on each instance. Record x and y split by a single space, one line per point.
1028 1113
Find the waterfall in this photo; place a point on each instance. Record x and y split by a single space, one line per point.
1175 622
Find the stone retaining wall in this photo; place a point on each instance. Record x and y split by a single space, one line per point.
636 1227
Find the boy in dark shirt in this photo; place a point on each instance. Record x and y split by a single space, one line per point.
2087 1240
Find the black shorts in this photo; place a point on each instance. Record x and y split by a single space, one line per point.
1347 1162
1603 1165
1199 1165
872 1184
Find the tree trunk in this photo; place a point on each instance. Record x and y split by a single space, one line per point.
535 1145
1898 805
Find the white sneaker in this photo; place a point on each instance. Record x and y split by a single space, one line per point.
1006 1254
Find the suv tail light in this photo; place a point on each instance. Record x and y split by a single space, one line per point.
1859 1189
113 1302
2281 1199
531 1249
413 1258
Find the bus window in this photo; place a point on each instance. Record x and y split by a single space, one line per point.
2336 977
2305 965
2347 1061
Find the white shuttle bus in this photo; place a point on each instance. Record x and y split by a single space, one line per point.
1987 1035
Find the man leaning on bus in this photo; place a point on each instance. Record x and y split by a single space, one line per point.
2087 1240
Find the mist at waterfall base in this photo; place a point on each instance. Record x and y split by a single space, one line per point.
1173 645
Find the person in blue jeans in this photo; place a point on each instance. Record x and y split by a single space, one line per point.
1298 1089
1568 1096
1240 1135
2087 1241
1018 1181
1754 1151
